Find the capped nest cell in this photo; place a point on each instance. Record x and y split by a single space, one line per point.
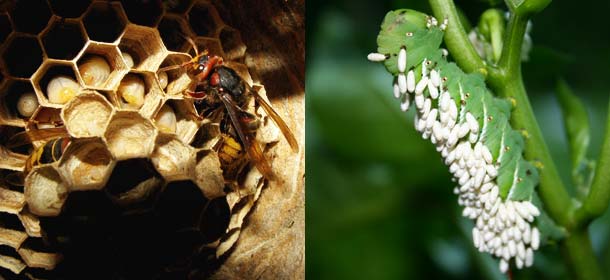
104 153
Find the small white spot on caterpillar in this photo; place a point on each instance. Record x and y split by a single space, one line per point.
409 34
402 83
376 57
405 102
529 257
419 88
435 78
432 90
431 118
396 90
443 25
402 60
419 101
426 109
411 81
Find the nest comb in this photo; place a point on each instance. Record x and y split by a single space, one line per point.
126 182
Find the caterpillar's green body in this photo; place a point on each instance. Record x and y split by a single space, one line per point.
514 177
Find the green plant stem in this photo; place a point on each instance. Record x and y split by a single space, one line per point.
579 255
455 37
506 81
596 202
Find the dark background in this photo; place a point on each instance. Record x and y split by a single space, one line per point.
379 200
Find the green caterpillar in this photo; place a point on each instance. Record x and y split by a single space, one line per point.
471 130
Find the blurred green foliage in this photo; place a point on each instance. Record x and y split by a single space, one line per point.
379 200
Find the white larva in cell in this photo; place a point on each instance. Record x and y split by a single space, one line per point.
432 90
27 104
131 91
128 59
62 89
163 79
94 70
402 83
411 81
402 60
166 119
396 90
376 57
423 83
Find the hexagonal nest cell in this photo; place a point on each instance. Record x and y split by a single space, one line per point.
22 56
31 16
104 153
69 8
64 39
104 21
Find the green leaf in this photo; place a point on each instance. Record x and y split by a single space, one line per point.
523 7
576 122
549 231
491 26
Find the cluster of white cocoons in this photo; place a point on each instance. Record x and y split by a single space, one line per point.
502 228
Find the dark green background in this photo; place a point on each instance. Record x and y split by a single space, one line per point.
379 200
